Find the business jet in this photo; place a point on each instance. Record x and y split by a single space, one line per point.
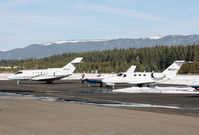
144 79
49 75
97 78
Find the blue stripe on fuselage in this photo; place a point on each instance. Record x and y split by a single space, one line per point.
93 81
196 87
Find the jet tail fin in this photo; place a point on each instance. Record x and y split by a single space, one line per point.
173 69
70 67
131 69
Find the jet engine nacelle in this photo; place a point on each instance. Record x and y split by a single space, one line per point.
157 75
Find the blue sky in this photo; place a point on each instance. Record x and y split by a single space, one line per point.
25 22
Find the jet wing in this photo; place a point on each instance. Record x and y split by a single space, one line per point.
142 82
48 77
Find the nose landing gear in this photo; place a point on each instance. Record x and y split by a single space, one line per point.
17 82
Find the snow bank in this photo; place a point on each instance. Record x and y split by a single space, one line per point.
4 76
162 90
183 80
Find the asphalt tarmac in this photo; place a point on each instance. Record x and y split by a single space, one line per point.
75 91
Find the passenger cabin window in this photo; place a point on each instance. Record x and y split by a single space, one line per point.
144 74
135 75
139 74
18 73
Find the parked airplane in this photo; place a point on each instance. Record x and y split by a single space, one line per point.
144 78
97 78
93 79
49 75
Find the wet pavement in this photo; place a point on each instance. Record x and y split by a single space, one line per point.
75 91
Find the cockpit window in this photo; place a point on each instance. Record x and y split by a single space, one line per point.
120 74
18 73
124 75
98 75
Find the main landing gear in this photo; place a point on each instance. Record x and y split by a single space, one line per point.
49 82
111 86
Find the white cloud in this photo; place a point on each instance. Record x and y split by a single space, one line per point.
38 19
121 12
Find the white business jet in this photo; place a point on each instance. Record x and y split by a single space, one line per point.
144 78
97 78
49 75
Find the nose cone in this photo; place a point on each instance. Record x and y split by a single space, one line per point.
12 77
107 80
104 80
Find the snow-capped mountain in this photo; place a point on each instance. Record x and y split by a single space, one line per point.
2 50
66 46
69 41
156 37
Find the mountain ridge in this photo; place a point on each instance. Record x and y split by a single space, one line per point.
59 47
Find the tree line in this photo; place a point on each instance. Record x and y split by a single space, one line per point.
119 60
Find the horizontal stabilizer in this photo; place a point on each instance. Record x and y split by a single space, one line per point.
74 62
77 60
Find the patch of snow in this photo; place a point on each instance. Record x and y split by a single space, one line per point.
156 37
161 90
70 41
183 80
3 50
4 95
4 76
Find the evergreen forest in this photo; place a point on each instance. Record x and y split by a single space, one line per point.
118 60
